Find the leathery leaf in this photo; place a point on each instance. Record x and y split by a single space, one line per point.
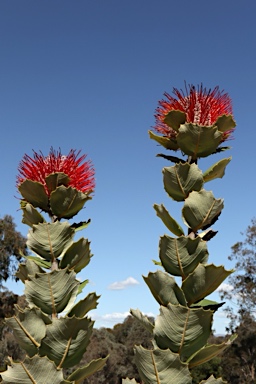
157 366
203 281
35 370
183 330
52 291
29 328
180 256
49 240
66 340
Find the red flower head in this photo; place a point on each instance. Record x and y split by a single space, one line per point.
80 172
201 106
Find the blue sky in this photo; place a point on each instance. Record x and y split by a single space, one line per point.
88 75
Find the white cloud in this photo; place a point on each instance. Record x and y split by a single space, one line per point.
225 287
115 316
118 285
110 319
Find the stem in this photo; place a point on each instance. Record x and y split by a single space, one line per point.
55 265
190 160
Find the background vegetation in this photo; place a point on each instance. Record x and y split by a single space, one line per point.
237 364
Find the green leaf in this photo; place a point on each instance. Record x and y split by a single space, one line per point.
198 141
203 281
225 123
209 352
181 179
212 380
39 261
180 256
82 225
82 285
54 180
144 321
66 340
29 328
52 291
167 219
174 119
49 240
201 209
160 366
164 289
87 370
207 304
77 256
222 149
84 306
157 263
166 142
183 330
67 202
207 235
36 370
174 159
30 215
26 269
217 170
34 193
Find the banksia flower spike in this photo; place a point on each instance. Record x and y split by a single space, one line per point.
201 106
196 121
57 184
79 172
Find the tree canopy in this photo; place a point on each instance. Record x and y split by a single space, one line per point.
12 246
242 283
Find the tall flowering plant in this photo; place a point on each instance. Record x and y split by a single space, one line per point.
196 122
53 330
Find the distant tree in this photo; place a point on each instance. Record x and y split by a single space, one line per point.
8 344
12 245
239 360
204 371
131 333
103 343
118 343
211 367
243 281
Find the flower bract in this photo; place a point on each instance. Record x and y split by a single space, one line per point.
38 167
201 106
